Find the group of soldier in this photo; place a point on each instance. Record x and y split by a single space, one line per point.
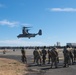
53 56
40 56
69 56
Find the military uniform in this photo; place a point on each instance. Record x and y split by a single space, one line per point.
49 56
66 57
54 56
44 55
74 52
35 53
37 56
71 57
23 56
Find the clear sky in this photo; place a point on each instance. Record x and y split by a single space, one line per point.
56 18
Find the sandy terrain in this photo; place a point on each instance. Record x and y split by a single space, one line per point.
11 67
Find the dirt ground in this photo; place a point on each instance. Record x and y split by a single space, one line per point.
12 67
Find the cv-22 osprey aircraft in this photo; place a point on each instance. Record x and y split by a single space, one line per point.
26 34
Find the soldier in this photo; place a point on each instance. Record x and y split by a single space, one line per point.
58 55
44 54
66 57
4 51
54 56
39 56
74 52
23 55
49 55
35 54
71 56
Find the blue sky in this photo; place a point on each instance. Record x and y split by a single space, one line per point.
56 18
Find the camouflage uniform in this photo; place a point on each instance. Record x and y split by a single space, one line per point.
54 56
49 56
37 56
44 55
23 56
66 57
74 52
71 57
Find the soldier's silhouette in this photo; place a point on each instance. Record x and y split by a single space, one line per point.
23 55
49 55
54 56
66 57
44 54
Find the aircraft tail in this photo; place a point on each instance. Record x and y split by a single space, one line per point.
40 32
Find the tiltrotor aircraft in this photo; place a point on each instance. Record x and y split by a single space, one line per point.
26 34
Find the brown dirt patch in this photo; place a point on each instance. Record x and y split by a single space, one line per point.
12 67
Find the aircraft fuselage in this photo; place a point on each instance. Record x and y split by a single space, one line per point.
26 35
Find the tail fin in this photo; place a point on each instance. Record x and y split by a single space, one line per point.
40 32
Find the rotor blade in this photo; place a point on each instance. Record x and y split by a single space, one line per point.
26 27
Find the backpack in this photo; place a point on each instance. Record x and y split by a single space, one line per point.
54 53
